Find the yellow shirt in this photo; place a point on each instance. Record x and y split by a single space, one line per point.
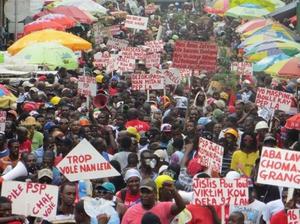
243 162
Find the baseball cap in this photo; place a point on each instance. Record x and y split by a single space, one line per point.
27 84
107 186
161 154
34 89
166 127
269 137
45 173
232 132
148 184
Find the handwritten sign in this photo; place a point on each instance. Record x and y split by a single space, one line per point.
84 162
243 69
220 191
195 55
87 86
115 43
101 59
210 154
155 45
172 76
133 53
114 30
31 199
277 100
293 216
126 65
147 81
279 167
136 22
2 120
152 60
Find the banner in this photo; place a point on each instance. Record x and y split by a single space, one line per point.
2 120
220 191
210 154
172 76
153 60
276 100
243 69
87 86
293 216
136 22
115 43
84 162
195 55
279 167
31 199
155 45
147 81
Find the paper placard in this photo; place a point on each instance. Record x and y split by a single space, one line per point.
136 22
293 216
87 86
147 81
220 191
195 55
84 162
279 167
115 43
153 60
2 120
172 76
133 53
243 69
276 100
210 154
126 65
155 45
31 199
101 59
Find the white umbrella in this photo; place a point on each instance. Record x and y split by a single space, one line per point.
87 5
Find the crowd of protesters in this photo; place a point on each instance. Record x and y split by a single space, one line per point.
150 139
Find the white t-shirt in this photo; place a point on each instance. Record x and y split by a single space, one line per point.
252 212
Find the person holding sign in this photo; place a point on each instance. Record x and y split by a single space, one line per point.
5 213
243 160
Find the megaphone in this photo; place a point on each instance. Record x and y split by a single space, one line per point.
100 101
18 171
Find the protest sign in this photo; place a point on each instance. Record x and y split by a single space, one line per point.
243 69
151 8
126 65
195 55
147 81
277 100
210 154
84 162
136 22
153 60
293 216
87 86
101 59
155 45
279 167
265 113
114 30
133 53
112 64
172 76
115 43
220 191
31 199
2 120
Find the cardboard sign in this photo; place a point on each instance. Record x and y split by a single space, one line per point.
172 76
155 45
136 22
210 154
112 64
277 100
84 162
220 191
2 120
31 199
115 43
87 86
265 113
114 30
293 216
243 69
279 167
147 81
126 65
133 53
101 59
195 55
153 60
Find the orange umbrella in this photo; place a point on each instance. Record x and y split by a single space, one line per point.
41 25
288 68
64 20
253 25
293 122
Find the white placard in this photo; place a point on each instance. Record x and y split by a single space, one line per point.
87 86
136 22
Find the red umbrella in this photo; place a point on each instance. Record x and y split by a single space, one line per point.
63 20
70 11
41 25
293 122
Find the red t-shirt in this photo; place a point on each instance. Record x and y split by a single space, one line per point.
25 146
130 199
139 125
200 215
279 218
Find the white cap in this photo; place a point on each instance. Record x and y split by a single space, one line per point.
261 125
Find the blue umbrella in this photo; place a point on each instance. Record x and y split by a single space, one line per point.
268 61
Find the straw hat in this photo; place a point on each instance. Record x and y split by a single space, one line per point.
29 121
